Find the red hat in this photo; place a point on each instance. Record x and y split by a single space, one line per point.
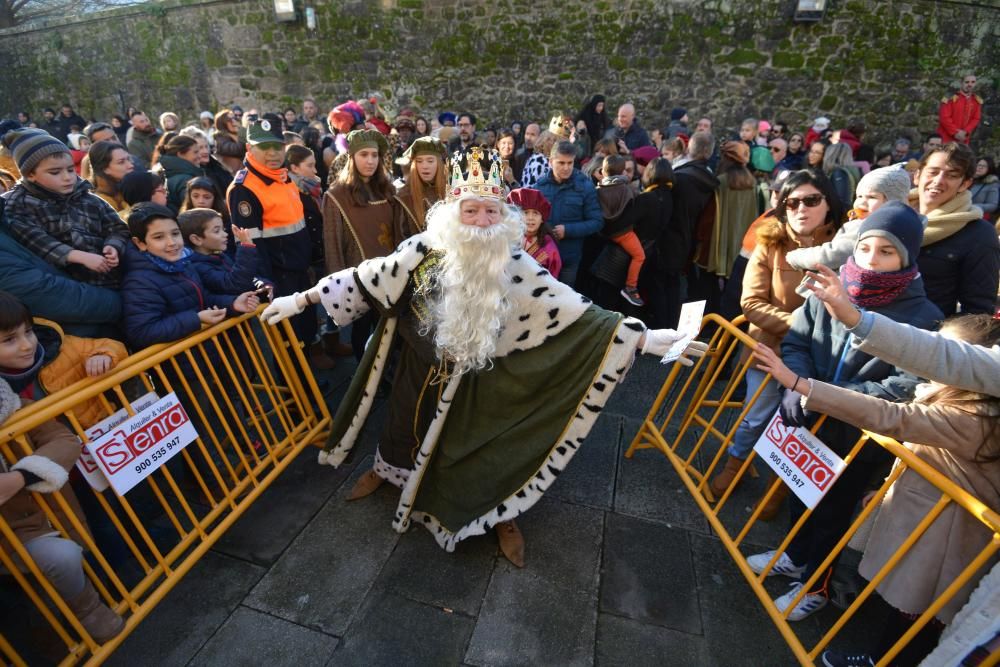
529 198
645 154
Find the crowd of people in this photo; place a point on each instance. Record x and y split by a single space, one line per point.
125 233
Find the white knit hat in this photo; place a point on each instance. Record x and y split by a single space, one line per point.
893 182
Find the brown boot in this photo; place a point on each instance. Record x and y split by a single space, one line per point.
100 621
334 348
721 482
511 542
318 358
366 485
773 505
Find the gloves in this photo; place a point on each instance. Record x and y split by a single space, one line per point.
695 349
658 341
283 307
791 410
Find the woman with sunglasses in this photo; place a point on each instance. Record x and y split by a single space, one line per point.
807 214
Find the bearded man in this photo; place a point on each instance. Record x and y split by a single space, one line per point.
502 369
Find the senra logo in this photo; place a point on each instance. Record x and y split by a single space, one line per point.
122 449
800 455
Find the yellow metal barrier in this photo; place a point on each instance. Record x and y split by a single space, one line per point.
692 422
256 406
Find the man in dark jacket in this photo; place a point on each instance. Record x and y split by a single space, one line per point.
52 125
960 256
68 119
576 212
694 201
627 130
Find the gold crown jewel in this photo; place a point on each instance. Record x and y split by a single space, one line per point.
477 183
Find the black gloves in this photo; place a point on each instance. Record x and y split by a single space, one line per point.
791 410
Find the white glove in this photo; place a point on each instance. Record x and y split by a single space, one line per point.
659 341
283 307
694 349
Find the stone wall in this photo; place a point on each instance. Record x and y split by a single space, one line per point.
886 61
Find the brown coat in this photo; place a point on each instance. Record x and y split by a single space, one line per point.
353 233
951 438
769 283
230 151
54 448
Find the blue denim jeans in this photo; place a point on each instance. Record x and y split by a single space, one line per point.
758 416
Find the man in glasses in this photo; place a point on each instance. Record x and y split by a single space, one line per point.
779 151
466 136
959 114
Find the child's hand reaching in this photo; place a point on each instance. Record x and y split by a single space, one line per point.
110 256
99 364
212 315
242 235
771 363
246 302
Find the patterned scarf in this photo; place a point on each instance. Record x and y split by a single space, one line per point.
309 186
869 289
171 267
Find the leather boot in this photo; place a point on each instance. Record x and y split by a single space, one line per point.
334 348
97 618
511 542
366 485
721 482
318 358
773 505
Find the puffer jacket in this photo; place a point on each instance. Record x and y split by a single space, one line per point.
221 274
162 306
575 207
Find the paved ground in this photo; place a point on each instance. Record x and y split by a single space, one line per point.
622 570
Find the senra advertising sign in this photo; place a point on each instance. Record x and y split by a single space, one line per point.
806 465
132 450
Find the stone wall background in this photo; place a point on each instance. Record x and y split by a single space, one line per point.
886 61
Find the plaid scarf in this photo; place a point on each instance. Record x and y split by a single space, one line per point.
869 289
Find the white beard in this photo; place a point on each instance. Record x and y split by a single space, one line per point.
468 299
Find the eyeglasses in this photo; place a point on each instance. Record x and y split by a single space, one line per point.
811 201
775 149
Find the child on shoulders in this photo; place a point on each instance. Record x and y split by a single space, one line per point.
616 194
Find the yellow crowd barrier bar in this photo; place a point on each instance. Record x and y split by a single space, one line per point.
255 404
692 422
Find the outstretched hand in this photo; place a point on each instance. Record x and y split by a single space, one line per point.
827 287
771 363
282 308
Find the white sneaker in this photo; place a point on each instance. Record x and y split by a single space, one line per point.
785 567
807 606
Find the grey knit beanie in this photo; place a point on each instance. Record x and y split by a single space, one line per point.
893 182
30 146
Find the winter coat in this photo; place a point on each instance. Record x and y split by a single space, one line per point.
634 137
177 172
661 222
221 274
52 225
54 452
143 144
950 438
986 195
845 182
82 309
618 208
769 282
963 268
815 344
160 306
230 151
737 209
575 207
694 191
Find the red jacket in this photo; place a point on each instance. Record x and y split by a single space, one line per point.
959 112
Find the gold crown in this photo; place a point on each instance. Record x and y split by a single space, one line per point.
477 183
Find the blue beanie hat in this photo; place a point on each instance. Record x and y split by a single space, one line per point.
900 225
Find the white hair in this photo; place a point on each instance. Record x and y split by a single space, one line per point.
468 295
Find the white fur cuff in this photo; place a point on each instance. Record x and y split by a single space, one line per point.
53 475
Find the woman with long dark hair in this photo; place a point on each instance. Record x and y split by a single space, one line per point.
109 163
178 157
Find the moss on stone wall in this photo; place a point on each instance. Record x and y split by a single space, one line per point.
887 62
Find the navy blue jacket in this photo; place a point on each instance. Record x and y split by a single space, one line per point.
161 307
963 269
220 274
81 309
813 346
575 206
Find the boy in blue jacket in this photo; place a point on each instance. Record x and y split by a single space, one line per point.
205 234
163 296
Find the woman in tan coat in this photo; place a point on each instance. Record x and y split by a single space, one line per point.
806 215
959 432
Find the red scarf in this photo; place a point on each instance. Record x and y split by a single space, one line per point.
869 289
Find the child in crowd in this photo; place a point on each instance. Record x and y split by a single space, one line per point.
302 171
205 234
538 239
46 470
49 360
163 297
616 194
881 276
143 186
52 212
200 192
874 189
959 436
79 144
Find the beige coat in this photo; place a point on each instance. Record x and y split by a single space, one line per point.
952 437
